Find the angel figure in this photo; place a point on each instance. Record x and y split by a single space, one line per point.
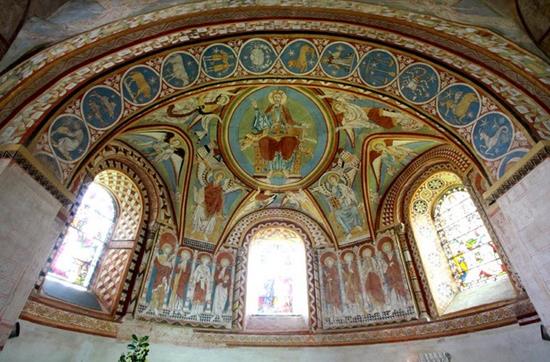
352 116
215 184
169 148
336 188
204 109
387 157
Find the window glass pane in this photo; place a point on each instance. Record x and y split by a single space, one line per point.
276 281
85 239
465 240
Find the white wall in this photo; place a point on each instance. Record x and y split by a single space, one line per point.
512 343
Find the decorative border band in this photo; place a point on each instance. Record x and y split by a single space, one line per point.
22 157
518 171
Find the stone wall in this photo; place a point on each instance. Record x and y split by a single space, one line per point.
512 343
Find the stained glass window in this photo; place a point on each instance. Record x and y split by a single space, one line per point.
276 278
86 237
471 253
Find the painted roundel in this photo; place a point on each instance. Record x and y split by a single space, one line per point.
180 69
219 61
101 107
339 60
419 83
140 85
277 137
509 159
257 56
300 57
458 105
69 137
378 68
492 135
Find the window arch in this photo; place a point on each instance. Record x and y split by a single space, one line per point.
277 275
86 237
460 259
90 265
470 251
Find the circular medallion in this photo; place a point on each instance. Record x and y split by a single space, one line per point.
140 85
219 61
339 60
492 135
300 57
420 207
180 70
458 105
277 138
509 159
257 56
419 83
435 184
101 107
69 137
378 68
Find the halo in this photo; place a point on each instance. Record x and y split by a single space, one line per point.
277 91
382 241
323 181
370 247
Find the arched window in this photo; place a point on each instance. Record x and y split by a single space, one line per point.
89 267
461 262
276 277
85 239
470 252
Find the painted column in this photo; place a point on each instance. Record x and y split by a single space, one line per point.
521 219
29 227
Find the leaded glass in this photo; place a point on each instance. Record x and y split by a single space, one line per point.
85 238
276 281
467 244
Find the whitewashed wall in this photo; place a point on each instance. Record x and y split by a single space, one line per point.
513 343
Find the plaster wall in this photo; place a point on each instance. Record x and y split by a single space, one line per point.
522 225
511 343
28 230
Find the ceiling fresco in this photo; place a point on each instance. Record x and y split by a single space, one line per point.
251 147
280 121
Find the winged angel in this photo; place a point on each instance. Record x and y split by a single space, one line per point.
204 108
352 116
209 198
336 187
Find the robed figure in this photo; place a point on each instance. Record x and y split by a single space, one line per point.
161 271
276 137
373 283
392 274
200 286
331 285
352 284
182 272
222 282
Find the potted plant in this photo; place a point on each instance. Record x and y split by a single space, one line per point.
138 350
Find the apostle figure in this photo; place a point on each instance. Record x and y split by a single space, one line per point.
373 284
352 284
331 285
392 273
200 286
180 281
222 281
158 297
162 264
